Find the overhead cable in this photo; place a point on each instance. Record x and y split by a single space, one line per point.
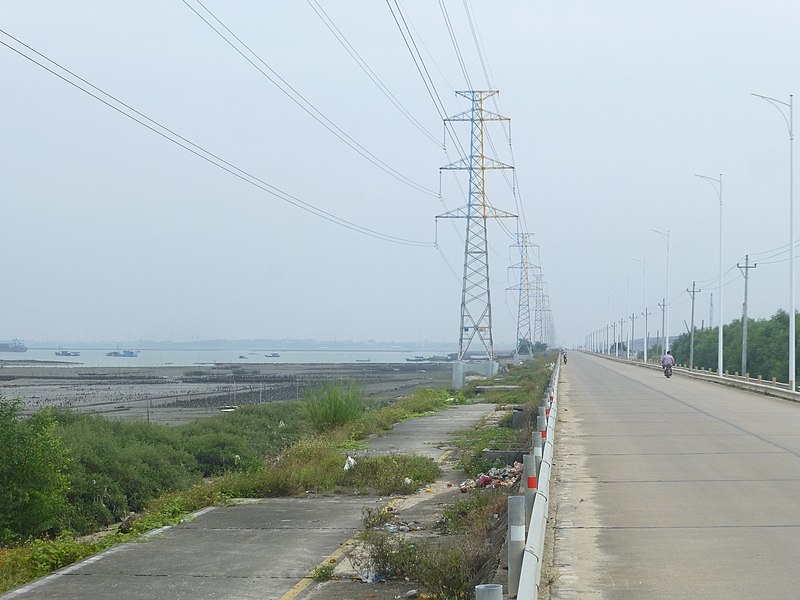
296 97
354 54
154 126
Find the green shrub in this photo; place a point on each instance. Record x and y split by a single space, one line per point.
33 483
330 406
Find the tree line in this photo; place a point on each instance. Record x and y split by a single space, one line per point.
767 347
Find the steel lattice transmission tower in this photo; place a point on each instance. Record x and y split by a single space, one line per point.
524 338
476 308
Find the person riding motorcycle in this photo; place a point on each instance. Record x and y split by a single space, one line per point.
667 361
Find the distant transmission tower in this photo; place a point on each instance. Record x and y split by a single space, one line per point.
476 308
524 338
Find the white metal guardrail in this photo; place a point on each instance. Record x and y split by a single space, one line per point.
758 386
531 571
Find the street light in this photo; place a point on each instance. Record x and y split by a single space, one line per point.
717 185
644 302
790 125
665 237
628 336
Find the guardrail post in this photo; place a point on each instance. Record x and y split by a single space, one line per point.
541 426
537 451
516 541
489 591
529 472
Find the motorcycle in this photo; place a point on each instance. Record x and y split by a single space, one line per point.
668 371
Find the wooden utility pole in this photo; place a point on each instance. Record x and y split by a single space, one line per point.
692 293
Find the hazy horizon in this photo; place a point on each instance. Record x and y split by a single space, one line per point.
112 232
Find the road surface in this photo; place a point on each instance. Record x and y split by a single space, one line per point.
673 488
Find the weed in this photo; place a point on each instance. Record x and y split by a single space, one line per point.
372 518
448 567
322 573
550 576
474 511
330 406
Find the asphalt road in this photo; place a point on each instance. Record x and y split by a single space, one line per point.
258 550
673 488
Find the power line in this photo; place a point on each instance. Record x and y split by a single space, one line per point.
179 140
296 97
454 41
342 39
422 69
477 43
418 62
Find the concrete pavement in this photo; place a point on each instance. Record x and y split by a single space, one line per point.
673 488
258 550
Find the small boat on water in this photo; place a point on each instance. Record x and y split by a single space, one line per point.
272 355
123 353
67 353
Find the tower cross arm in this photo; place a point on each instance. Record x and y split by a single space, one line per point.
465 164
463 212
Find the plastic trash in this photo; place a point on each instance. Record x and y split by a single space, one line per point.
349 463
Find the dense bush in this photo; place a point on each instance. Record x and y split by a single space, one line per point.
117 467
32 473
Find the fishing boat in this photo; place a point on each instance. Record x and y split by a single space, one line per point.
67 353
272 355
123 353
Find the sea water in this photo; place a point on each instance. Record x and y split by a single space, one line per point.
97 357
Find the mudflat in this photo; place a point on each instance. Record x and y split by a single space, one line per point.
176 394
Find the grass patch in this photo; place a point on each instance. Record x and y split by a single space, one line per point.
448 567
467 514
330 406
473 442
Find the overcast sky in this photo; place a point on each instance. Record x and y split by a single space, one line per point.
111 232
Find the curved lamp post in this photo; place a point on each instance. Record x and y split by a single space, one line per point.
665 237
644 302
717 185
781 107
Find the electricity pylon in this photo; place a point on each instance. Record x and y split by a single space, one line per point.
524 339
476 307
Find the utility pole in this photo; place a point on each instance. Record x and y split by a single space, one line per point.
633 329
476 307
646 314
621 322
745 270
614 337
694 291
663 306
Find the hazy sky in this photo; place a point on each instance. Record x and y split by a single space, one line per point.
111 232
